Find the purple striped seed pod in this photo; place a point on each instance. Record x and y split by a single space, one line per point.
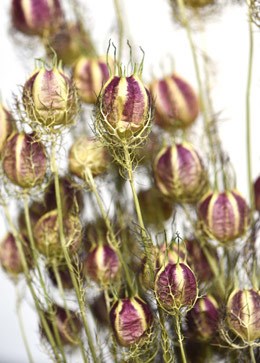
176 103
131 320
154 216
24 160
10 258
90 74
36 17
47 237
176 287
102 265
50 98
257 194
70 42
179 173
203 318
243 314
88 154
68 325
225 216
125 106
6 126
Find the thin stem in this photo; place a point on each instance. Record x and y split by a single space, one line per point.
76 286
167 351
248 112
252 355
120 25
91 183
179 335
21 325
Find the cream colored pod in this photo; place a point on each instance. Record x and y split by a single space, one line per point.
88 154
50 98
6 126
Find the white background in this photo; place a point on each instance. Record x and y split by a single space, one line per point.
148 23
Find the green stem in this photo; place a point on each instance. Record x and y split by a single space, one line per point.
251 350
92 185
120 25
180 337
248 112
21 325
76 286
168 354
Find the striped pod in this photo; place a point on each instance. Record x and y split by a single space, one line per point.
67 324
47 238
24 160
102 264
90 74
36 17
176 104
243 314
257 194
50 98
225 216
10 258
85 154
6 126
203 318
125 105
179 173
131 319
176 287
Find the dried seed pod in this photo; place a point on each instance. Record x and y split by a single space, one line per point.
198 3
6 126
88 154
36 211
197 259
243 314
10 258
124 107
179 173
150 198
203 318
90 74
68 325
176 287
36 17
257 193
24 160
47 237
50 98
64 273
131 320
176 104
71 196
99 310
225 216
70 42
102 264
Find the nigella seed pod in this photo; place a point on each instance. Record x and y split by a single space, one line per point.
150 198
24 160
257 194
198 3
179 173
68 326
47 237
36 17
203 318
102 264
88 154
176 287
243 314
90 74
50 98
176 104
10 258
124 106
131 320
6 126
225 216
64 273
